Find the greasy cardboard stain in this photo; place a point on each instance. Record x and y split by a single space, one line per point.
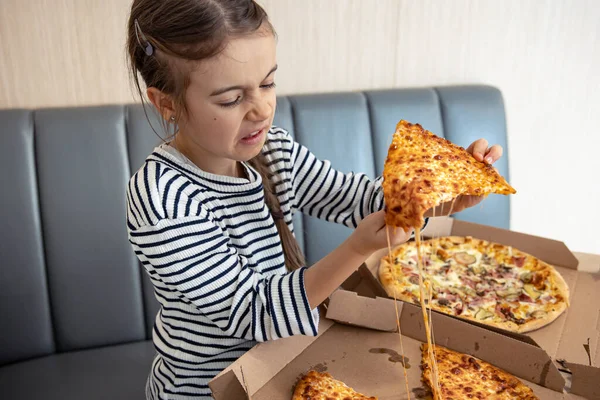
320 367
422 393
545 371
394 356
476 346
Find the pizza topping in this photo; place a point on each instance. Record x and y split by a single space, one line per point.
508 313
477 270
532 291
518 261
538 280
483 314
486 259
458 239
474 363
523 298
526 277
458 309
505 269
445 269
443 254
464 258
509 293
443 302
538 314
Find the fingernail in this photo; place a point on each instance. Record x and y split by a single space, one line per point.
489 160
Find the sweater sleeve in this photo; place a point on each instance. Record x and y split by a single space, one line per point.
325 193
195 258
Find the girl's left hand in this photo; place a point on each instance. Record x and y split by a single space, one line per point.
480 150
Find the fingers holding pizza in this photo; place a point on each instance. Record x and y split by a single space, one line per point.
370 234
480 150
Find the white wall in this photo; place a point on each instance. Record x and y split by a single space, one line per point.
543 54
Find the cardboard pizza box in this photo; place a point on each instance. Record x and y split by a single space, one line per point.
574 337
359 344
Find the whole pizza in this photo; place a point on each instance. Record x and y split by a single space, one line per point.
474 279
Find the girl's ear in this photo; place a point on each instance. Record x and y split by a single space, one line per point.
162 102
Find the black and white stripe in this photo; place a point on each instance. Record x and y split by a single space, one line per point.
211 249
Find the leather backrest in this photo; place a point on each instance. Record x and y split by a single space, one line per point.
68 277
24 301
93 277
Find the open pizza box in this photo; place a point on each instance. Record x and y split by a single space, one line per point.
573 339
358 343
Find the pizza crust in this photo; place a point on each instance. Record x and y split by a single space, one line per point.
391 285
556 311
560 287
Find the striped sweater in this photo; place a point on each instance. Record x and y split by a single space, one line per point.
212 251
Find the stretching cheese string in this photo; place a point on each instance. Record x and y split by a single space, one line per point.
387 231
436 389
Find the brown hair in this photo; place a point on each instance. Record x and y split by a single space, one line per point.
162 36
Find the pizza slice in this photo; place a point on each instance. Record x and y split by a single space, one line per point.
423 170
464 377
322 386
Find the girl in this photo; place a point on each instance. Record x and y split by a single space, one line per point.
210 211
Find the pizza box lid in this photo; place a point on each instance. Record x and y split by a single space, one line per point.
551 251
358 343
585 380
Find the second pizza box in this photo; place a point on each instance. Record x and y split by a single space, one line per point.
358 343
573 339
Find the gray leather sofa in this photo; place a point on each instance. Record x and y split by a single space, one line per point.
76 310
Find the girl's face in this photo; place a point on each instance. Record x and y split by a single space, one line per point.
230 105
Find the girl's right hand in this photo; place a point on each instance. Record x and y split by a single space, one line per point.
370 234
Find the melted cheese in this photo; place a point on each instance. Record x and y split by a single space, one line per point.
426 319
387 232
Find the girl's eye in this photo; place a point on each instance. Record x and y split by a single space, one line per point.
238 100
234 103
268 86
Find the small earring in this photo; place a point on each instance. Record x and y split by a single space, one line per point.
172 119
